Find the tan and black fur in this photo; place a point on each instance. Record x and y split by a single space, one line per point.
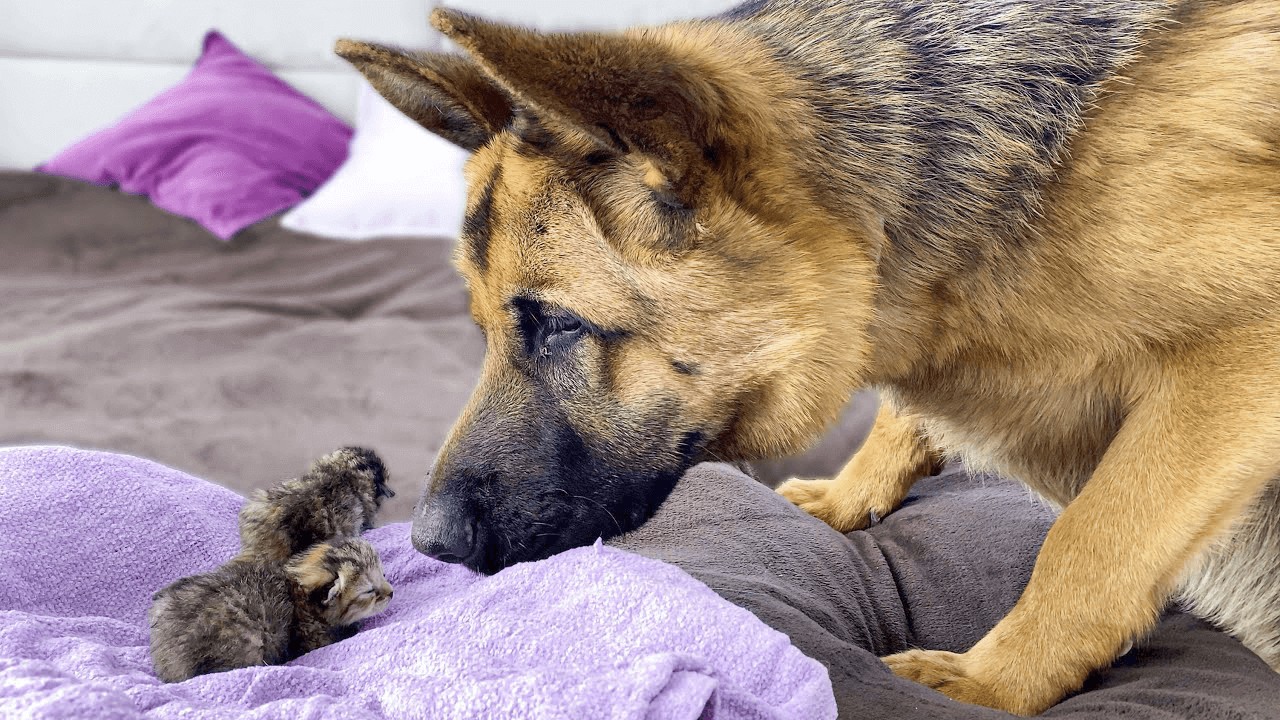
245 614
338 497
1047 232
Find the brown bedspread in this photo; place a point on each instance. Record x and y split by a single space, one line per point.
129 329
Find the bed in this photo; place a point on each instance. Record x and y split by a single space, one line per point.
154 368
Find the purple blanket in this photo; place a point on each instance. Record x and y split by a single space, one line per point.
592 633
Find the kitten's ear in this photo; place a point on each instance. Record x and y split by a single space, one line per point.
339 584
309 570
446 94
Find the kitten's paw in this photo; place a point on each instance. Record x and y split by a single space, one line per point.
960 677
833 504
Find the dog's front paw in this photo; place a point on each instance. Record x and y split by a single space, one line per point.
959 677
832 504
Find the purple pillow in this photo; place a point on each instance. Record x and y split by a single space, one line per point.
228 146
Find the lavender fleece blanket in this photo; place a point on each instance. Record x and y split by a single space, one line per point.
592 633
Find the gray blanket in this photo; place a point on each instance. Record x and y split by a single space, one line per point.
128 329
937 573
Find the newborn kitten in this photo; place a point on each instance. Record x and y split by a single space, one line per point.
247 613
338 497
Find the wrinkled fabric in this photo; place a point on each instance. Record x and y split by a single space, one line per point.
594 632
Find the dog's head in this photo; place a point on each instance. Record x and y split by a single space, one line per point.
655 279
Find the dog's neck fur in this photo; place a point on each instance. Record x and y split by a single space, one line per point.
899 114
899 133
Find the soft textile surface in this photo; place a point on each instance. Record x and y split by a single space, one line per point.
228 146
84 552
937 573
126 328
398 180
591 633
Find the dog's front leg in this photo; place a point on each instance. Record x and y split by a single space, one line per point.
875 481
1194 451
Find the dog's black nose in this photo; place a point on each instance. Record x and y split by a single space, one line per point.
444 531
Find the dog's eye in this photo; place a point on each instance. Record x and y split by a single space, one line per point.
546 328
562 324
560 330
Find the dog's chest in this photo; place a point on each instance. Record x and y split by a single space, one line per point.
1049 433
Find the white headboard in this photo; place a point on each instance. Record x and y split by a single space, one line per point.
69 67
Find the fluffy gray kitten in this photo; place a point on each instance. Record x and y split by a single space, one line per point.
338 497
249 613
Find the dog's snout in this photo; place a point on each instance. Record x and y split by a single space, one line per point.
444 531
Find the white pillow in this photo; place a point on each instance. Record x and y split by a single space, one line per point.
398 180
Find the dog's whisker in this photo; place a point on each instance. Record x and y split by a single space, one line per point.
602 507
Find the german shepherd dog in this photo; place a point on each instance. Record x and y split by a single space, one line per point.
1046 231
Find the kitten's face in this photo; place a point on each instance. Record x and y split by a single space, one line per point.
351 571
365 592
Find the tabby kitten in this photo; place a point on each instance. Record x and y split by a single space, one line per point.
250 613
338 497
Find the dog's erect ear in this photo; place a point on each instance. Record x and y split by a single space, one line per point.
447 94
633 94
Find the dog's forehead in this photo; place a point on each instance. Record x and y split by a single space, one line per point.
506 196
527 231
